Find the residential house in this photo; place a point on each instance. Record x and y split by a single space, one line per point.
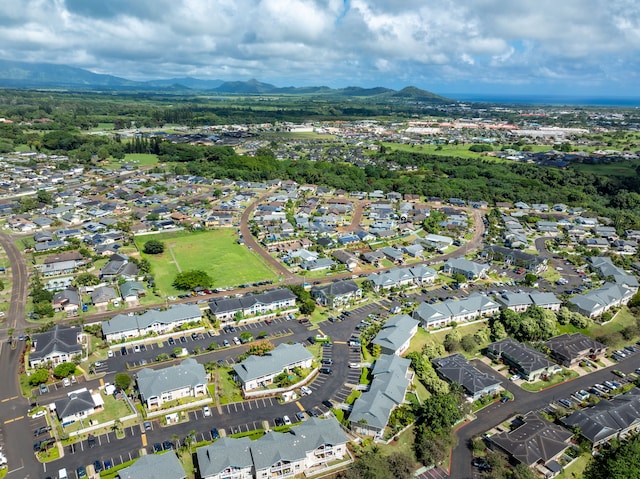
259 371
156 387
534 442
396 334
226 458
526 361
268 303
309 448
337 294
520 302
67 300
569 349
438 242
317 264
456 369
58 345
131 291
608 419
372 257
515 257
62 263
411 276
606 270
371 411
438 315
414 250
78 405
155 466
598 301
394 255
102 296
117 267
123 326
469 269
347 258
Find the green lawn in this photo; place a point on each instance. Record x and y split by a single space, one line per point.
622 168
140 159
113 409
216 252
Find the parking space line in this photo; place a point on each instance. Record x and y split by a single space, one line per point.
144 440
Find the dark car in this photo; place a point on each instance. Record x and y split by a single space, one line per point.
183 339
108 464
327 361
481 464
41 430
81 472
91 440
311 339
123 351
171 341
311 413
326 370
143 347
214 433
279 421
167 445
97 465
194 336
157 447
327 403
300 416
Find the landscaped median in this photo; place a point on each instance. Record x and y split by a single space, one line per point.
555 379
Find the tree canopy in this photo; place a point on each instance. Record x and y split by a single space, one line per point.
188 280
153 247
621 461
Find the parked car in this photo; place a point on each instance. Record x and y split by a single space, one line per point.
279 421
305 391
326 370
81 472
286 420
136 348
225 343
206 411
618 373
327 361
97 465
214 433
300 416
157 447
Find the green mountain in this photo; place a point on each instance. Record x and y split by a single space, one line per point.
48 75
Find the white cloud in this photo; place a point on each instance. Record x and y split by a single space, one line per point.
335 42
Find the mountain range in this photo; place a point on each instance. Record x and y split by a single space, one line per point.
48 75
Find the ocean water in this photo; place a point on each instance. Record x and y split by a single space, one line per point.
547 99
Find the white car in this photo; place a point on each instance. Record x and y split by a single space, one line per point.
305 391
515 377
206 411
66 382
286 420
109 354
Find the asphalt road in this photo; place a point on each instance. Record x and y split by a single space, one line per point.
460 465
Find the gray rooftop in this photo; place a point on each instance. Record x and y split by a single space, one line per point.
177 312
154 382
224 453
154 466
60 339
396 331
255 367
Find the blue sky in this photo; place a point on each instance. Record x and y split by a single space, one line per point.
475 46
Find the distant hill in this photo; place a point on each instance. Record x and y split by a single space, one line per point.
48 75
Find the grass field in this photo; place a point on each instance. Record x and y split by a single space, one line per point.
216 252
623 168
141 159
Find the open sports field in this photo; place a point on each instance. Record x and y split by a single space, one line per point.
216 252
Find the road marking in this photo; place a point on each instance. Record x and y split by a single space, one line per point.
339 342
14 419
101 382
299 405
320 332
10 399
144 440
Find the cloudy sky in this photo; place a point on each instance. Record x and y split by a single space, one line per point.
503 46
